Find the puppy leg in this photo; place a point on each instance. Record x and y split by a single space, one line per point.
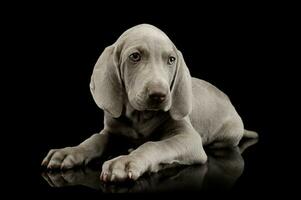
70 157
182 148
228 136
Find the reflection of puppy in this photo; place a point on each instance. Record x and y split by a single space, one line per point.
221 171
145 88
86 177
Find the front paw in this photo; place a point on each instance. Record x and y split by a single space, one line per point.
65 158
122 168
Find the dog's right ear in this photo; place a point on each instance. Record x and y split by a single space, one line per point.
105 85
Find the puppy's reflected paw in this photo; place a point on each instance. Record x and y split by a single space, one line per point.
121 168
65 158
60 179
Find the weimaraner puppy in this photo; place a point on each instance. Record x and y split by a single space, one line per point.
145 89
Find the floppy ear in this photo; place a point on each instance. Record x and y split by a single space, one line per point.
181 91
105 85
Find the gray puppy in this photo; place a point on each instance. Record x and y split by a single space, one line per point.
145 89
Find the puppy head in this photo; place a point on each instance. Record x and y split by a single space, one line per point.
144 65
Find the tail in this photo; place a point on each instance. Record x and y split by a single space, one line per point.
250 138
250 134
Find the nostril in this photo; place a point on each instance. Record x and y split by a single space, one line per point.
157 96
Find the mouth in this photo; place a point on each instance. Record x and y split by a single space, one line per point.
157 107
153 109
147 107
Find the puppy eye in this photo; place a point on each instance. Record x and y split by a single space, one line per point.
135 57
171 60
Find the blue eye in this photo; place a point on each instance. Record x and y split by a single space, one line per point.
171 60
135 57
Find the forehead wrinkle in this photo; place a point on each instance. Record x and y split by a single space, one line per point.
148 45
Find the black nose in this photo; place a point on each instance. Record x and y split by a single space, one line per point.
157 97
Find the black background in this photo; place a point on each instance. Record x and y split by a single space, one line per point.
241 49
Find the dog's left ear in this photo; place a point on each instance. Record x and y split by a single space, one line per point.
105 85
181 90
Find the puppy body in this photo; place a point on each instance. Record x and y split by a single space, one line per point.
213 117
145 88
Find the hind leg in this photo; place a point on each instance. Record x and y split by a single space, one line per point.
229 135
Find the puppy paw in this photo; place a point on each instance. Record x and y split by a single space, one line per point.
65 158
122 168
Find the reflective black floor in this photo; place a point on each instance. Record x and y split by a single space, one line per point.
223 169
248 171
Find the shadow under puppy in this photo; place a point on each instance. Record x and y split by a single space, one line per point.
145 89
